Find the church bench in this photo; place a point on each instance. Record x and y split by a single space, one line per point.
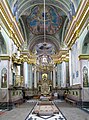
18 102
71 99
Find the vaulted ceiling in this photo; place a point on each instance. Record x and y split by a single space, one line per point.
30 17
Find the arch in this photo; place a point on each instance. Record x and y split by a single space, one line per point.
60 4
83 34
85 45
22 27
3 49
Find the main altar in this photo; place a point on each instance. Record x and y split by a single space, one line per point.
45 85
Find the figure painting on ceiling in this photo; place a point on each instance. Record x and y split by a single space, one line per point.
85 77
4 78
38 16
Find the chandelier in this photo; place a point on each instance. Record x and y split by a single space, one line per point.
44 63
44 60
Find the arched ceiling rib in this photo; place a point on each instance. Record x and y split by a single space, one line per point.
64 6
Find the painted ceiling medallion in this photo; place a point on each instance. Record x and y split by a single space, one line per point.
41 47
35 20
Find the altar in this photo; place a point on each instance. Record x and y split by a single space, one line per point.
45 85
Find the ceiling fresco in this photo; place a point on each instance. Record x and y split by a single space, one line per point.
35 20
30 16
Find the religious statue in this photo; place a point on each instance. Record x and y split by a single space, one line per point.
4 78
85 77
45 89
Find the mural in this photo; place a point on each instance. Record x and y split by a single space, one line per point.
35 20
4 78
85 77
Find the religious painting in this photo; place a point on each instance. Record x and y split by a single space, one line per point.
85 77
44 76
35 21
4 78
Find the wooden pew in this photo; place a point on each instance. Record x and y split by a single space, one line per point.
71 99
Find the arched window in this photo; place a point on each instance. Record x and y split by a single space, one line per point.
4 78
85 48
3 49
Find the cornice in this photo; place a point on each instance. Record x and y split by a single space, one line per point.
83 57
4 57
63 56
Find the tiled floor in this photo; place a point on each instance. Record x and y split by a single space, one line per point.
18 113
22 111
72 112
44 111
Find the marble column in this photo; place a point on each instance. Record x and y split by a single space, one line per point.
59 74
63 75
35 81
54 79
18 68
30 76
37 76
10 80
70 67
51 75
26 74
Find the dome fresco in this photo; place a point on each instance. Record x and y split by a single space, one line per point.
35 20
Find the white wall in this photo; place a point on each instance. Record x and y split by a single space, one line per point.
75 65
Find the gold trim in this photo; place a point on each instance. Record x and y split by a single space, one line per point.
83 57
4 57
76 27
11 24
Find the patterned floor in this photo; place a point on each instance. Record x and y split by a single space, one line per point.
50 112
2 111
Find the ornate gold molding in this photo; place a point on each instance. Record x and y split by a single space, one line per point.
77 24
64 56
16 60
4 57
83 57
10 23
